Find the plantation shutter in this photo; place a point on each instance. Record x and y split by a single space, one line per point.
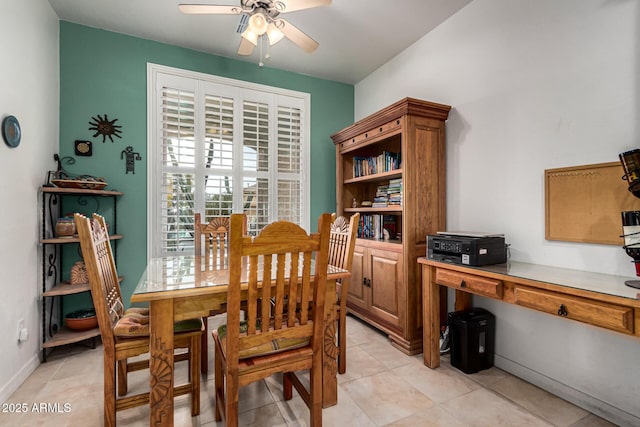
223 147
289 164
255 123
218 156
178 186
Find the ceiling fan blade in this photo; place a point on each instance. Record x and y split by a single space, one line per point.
293 5
209 9
297 36
246 47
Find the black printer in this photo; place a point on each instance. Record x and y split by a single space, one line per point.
467 248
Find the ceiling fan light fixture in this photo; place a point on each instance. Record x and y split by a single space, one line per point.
274 34
250 36
258 23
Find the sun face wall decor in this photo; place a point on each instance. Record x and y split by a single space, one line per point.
105 127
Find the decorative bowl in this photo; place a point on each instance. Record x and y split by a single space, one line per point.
87 184
81 320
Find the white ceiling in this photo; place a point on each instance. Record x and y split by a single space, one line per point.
356 36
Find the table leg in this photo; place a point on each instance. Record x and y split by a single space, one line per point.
330 351
161 362
463 300
431 317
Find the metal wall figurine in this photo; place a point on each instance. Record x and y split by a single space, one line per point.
131 157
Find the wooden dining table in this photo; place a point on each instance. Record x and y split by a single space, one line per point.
182 287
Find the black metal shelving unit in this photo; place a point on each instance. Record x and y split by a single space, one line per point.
54 334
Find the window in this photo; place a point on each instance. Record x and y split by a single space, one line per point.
218 146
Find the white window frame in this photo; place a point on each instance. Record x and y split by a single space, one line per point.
180 77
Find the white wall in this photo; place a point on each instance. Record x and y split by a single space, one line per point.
29 90
534 85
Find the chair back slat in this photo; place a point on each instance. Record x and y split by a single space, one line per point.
279 296
294 289
265 307
305 293
275 271
252 295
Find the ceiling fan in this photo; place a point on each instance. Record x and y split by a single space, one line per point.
263 18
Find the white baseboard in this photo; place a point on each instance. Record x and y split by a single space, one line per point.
16 381
578 398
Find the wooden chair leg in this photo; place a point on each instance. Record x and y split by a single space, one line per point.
122 377
342 342
109 391
315 389
204 348
194 376
231 401
312 396
218 385
286 385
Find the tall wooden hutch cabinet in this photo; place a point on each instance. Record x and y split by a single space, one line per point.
390 167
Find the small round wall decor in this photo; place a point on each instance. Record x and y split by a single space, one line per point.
11 131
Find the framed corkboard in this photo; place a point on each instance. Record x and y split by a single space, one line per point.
583 203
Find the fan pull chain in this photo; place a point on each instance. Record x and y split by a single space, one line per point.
261 64
264 56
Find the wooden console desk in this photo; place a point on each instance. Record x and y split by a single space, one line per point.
598 299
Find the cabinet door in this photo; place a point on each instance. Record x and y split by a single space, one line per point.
385 272
358 292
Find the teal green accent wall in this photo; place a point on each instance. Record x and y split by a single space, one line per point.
102 72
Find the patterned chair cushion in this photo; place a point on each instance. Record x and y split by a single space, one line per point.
135 323
138 310
272 347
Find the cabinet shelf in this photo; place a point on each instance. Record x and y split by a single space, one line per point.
391 244
382 176
74 239
375 210
67 336
81 191
66 288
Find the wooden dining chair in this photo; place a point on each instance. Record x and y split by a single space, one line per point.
285 337
211 242
342 242
125 334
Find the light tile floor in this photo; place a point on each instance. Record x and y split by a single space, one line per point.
382 387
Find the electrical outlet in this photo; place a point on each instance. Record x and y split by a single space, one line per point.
23 333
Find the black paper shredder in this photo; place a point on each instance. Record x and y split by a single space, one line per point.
472 334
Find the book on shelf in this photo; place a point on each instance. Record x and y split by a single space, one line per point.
394 192
384 162
372 226
395 184
381 198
